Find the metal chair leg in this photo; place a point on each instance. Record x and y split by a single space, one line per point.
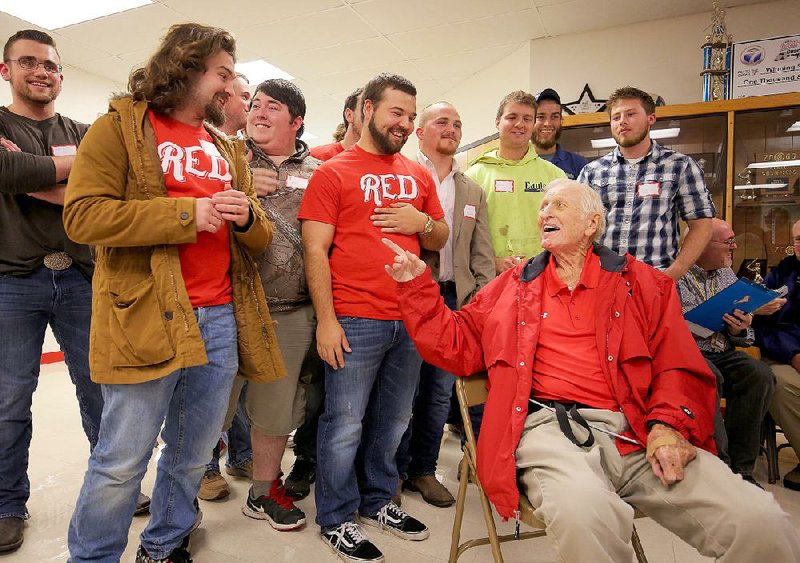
637 546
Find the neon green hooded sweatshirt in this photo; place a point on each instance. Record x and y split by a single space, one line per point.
513 193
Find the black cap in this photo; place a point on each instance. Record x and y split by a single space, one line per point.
548 94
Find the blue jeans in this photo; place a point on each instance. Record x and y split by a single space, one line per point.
367 403
190 403
63 300
419 449
240 451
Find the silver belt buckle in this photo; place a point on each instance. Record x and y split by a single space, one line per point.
58 261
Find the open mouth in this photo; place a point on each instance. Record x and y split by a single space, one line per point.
550 229
39 84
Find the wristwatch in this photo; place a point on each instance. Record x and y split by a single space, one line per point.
428 225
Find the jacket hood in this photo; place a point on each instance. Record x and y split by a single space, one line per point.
610 261
491 157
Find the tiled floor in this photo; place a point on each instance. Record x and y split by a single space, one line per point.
58 461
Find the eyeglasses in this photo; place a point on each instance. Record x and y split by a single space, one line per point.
728 241
32 63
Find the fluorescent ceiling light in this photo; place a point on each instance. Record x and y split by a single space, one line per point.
794 127
760 186
260 70
669 133
774 164
54 14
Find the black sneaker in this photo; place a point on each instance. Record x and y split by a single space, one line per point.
298 483
276 508
349 543
178 555
394 520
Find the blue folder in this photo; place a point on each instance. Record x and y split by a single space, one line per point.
745 295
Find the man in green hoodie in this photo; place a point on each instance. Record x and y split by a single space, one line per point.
513 177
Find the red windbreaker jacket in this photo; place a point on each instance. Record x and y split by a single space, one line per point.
650 360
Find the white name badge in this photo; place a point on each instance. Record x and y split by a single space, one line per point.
64 150
504 186
469 211
296 182
649 189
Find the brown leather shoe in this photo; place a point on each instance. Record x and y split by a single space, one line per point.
11 533
213 486
432 491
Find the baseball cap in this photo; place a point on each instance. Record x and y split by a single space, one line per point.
548 94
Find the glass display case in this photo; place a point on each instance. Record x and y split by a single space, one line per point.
766 203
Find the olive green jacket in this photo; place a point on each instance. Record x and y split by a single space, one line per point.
143 326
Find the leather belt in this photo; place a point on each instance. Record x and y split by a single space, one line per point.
58 261
448 285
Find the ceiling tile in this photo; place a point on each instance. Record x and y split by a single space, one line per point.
125 32
390 16
464 64
501 29
321 29
240 14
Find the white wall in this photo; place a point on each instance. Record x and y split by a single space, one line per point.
476 98
661 56
83 96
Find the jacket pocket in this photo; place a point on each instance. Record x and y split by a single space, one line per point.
137 327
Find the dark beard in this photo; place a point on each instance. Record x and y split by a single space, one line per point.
215 115
384 142
549 144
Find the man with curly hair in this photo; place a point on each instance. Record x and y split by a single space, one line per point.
178 303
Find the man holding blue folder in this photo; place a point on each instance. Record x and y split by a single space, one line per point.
746 383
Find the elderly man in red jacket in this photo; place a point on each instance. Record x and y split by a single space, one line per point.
598 396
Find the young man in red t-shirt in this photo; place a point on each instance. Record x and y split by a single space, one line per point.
352 121
178 305
367 193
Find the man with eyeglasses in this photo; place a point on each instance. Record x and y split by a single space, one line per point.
746 383
44 277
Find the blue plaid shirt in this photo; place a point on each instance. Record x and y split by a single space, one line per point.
644 201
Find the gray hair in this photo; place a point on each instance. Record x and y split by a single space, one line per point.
591 204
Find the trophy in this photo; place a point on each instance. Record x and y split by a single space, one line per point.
754 267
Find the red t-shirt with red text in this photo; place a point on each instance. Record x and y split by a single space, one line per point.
344 192
194 167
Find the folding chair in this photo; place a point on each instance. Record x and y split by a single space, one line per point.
472 391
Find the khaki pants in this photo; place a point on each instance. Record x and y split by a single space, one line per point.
586 497
785 408
278 407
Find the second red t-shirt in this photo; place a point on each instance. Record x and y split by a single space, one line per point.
344 192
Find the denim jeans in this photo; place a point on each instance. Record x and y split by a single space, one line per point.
419 449
63 300
240 451
367 403
190 403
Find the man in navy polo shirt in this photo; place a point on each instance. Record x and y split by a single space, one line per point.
547 132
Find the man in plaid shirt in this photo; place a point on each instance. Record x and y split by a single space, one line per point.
647 188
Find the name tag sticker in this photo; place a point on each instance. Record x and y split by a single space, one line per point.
64 150
469 211
504 186
649 189
296 182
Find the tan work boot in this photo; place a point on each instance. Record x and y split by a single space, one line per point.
432 491
213 486
245 470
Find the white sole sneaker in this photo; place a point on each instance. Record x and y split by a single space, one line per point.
257 515
419 536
